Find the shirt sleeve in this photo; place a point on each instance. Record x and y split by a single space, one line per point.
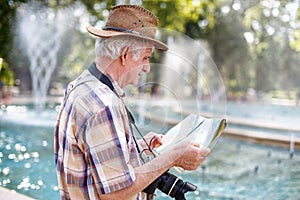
107 151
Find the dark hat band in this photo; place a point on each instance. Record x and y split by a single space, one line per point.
110 28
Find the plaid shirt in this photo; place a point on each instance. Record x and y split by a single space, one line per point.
94 149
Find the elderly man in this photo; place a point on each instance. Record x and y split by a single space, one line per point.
96 153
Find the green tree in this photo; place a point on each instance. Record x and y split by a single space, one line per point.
6 75
250 41
272 49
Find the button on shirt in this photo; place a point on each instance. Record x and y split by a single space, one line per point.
94 149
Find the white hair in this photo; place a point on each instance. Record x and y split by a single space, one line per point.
112 47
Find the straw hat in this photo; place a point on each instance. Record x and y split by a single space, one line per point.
130 20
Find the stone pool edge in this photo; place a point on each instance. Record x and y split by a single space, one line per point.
12 195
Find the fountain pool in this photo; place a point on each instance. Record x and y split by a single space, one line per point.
234 170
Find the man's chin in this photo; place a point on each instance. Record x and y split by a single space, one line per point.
134 83
137 82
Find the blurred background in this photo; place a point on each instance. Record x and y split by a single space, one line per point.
228 58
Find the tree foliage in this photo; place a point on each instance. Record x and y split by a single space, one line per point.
255 44
6 74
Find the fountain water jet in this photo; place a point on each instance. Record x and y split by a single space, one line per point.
197 77
41 30
292 146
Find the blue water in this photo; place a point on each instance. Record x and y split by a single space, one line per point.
234 170
27 160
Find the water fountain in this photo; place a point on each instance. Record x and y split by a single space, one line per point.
292 146
197 77
41 30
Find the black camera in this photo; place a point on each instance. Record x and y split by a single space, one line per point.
170 185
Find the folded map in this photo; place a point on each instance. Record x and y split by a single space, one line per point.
202 130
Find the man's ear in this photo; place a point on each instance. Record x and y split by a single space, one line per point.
124 55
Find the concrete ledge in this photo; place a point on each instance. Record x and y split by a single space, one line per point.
262 138
12 195
264 124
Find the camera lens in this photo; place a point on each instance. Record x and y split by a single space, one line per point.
174 187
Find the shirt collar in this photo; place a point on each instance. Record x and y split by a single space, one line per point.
118 90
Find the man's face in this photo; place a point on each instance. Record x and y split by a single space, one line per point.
134 69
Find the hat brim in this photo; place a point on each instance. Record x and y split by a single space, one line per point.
107 34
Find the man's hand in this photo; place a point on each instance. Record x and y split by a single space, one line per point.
154 140
190 156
